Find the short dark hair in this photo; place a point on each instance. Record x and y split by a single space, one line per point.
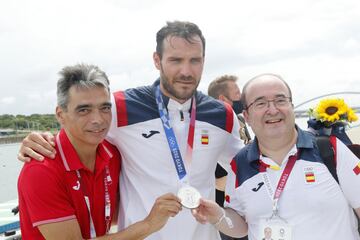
220 86
243 93
186 30
81 75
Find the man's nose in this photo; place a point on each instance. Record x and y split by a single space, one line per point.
271 107
186 69
96 116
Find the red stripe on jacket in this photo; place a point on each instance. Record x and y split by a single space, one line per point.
229 118
333 144
121 112
234 169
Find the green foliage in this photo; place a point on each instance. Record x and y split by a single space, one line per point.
41 122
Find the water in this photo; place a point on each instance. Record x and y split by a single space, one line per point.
9 171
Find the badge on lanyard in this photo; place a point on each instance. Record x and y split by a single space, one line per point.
276 227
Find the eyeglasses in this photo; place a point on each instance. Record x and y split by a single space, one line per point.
263 103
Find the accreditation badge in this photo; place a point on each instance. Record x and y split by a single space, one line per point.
274 229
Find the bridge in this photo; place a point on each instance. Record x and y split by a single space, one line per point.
304 113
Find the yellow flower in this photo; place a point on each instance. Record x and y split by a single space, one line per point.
352 116
330 110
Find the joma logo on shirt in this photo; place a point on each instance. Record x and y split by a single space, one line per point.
77 186
152 132
260 184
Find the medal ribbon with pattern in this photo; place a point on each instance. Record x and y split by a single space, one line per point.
171 139
282 181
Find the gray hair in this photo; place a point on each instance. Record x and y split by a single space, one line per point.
185 30
82 76
220 86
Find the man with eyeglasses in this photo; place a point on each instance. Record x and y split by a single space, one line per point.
280 181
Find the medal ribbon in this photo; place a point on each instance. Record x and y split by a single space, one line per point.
170 135
282 181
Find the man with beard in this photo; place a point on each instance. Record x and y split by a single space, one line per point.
170 136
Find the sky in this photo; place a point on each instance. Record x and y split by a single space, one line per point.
313 44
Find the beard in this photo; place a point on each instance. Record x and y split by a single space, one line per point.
181 94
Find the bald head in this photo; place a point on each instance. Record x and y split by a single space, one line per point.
262 78
269 110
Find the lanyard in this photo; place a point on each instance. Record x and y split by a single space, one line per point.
107 207
170 135
282 181
107 182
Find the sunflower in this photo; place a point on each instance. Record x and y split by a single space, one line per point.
351 116
330 110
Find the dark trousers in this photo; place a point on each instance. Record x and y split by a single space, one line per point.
220 200
226 237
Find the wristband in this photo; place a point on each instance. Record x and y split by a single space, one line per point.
227 219
221 218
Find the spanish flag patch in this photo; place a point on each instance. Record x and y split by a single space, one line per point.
309 173
357 169
204 139
310 177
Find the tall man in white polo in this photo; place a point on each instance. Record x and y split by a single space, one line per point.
205 136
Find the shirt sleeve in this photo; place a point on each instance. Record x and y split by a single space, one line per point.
348 171
44 193
232 146
110 137
232 191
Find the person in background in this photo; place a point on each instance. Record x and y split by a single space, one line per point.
167 153
75 196
225 88
280 181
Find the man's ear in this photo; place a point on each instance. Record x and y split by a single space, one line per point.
157 60
246 116
225 99
222 98
59 115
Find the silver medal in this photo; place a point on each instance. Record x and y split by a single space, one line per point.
190 197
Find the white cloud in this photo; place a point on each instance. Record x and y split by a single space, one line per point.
7 100
313 44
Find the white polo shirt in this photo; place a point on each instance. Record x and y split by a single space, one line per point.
148 169
312 202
